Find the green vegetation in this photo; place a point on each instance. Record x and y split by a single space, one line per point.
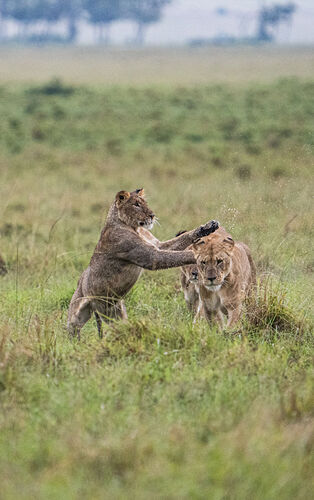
158 408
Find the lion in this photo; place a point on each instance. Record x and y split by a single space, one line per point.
189 281
126 247
226 275
189 286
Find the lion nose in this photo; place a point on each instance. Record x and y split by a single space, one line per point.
212 278
152 216
195 274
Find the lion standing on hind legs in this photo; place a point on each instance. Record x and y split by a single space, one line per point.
126 247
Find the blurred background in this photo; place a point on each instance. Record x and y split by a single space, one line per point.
156 22
152 42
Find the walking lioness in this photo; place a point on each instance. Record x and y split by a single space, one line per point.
226 273
126 247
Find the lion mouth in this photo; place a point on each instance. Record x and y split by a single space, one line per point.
213 288
147 225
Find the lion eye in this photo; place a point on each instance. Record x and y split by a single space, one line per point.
219 261
203 262
137 204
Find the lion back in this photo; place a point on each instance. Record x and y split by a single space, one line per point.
252 281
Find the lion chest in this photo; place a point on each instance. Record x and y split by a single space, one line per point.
211 300
147 237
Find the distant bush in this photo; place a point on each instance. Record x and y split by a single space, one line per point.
53 87
244 172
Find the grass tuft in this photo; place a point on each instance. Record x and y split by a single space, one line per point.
268 309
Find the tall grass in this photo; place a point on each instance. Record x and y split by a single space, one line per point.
268 309
157 408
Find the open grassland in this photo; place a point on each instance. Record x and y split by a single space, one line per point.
179 66
157 409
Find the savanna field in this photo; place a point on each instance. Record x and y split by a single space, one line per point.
158 408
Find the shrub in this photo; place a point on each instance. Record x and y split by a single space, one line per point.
53 87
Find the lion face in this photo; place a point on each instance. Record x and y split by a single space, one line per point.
191 274
213 259
133 209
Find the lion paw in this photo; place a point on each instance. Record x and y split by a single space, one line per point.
208 228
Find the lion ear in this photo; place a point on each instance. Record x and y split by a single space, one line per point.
140 192
198 243
229 243
122 196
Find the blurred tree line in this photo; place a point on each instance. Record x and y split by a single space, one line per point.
270 17
100 13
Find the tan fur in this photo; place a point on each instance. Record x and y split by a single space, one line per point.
189 285
226 273
124 249
189 280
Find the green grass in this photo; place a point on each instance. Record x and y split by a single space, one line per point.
158 408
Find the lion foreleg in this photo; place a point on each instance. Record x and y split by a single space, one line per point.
214 316
199 312
233 315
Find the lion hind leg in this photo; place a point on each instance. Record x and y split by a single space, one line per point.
123 313
234 315
80 312
99 325
106 313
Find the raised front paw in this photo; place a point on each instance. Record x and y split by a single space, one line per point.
206 229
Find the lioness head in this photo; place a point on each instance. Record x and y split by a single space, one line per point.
133 209
213 258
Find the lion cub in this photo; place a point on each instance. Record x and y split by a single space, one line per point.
189 285
226 274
